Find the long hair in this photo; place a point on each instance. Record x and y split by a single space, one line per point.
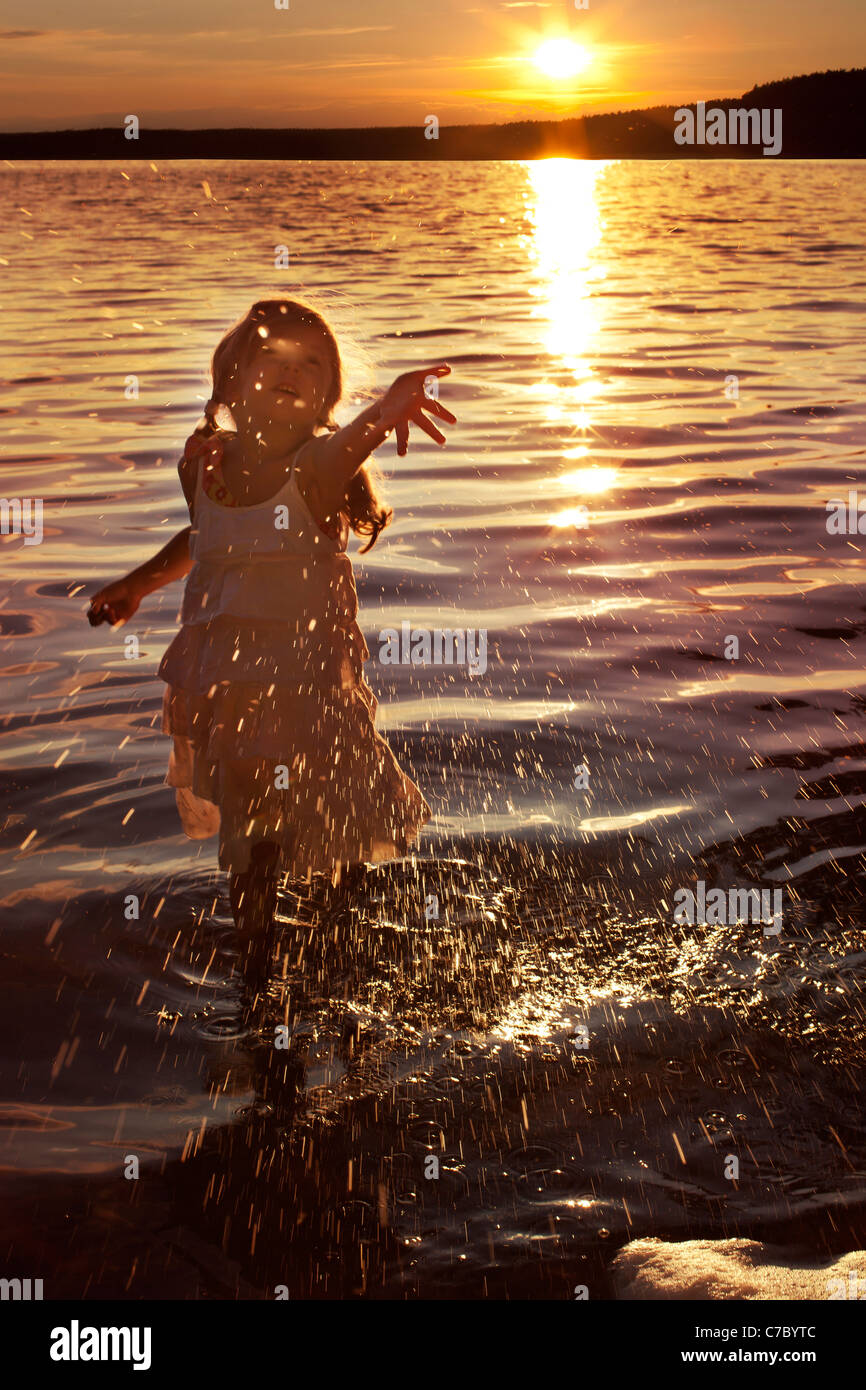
366 513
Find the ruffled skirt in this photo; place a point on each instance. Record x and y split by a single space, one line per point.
293 760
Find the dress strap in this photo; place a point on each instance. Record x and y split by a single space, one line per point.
196 446
206 455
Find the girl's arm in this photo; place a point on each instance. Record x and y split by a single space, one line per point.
117 602
341 454
168 564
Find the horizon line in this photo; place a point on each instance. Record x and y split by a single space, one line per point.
457 125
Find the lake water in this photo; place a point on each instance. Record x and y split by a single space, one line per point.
658 377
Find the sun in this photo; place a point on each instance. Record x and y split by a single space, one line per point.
561 58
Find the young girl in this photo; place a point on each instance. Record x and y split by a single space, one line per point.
271 719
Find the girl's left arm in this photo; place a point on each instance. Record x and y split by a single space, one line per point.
117 602
342 453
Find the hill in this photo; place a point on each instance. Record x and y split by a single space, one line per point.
822 118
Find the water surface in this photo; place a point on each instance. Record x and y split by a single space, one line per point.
658 376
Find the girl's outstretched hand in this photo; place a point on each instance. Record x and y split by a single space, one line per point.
405 401
115 603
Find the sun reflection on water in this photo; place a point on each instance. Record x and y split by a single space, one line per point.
589 480
563 208
562 205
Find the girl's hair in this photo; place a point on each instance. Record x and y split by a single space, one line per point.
366 513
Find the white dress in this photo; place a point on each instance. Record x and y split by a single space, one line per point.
271 719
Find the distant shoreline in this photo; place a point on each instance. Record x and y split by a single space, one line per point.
823 117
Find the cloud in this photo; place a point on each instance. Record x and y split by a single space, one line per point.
256 35
388 60
119 40
335 33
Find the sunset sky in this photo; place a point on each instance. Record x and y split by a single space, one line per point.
392 62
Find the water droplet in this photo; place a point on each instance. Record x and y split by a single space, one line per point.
732 1057
221 1027
427 1135
715 1120
545 1184
256 1110
535 1156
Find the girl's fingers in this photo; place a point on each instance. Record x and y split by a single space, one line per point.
402 433
440 369
103 614
423 423
436 408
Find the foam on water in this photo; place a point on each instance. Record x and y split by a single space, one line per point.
724 1269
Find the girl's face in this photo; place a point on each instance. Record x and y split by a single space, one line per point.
288 378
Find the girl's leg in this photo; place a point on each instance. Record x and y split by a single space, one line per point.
349 876
254 899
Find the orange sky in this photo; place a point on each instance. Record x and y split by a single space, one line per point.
393 62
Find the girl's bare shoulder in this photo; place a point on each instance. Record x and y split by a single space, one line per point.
308 461
187 471
197 451
313 481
